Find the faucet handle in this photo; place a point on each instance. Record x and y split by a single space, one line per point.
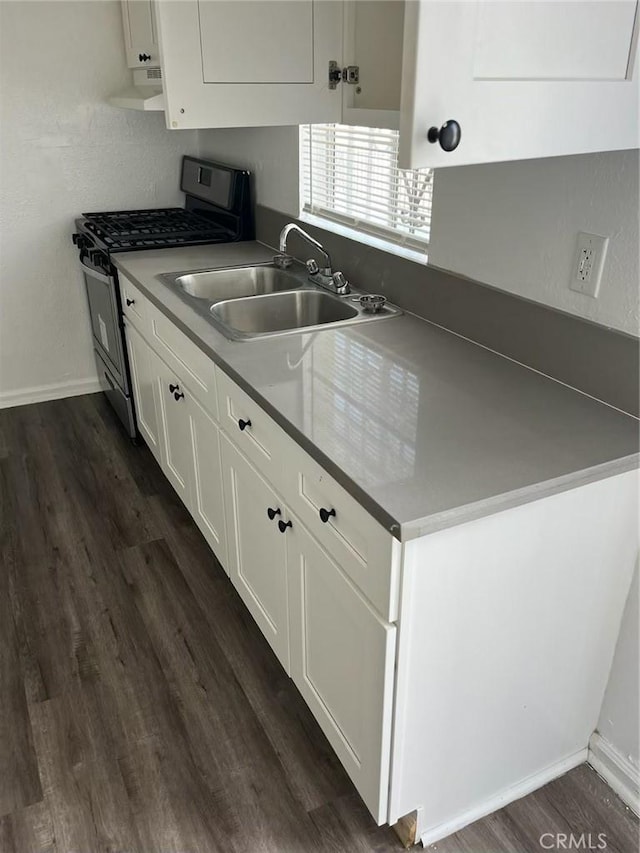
312 267
282 261
340 283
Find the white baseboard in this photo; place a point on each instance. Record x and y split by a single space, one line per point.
41 393
510 795
616 770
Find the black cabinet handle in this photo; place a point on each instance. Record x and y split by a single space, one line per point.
178 395
282 526
326 514
273 512
130 301
144 57
448 135
243 424
173 388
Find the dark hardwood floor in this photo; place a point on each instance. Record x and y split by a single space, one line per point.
140 708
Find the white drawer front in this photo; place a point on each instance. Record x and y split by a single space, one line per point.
253 431
367 552
134 304
189 363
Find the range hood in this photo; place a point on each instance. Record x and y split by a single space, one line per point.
145 94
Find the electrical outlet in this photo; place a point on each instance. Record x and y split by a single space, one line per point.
588 265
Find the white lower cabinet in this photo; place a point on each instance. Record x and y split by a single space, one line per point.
439 714
177 458
325 632
257 547
144 378
183 437
342 661
207 499
428 690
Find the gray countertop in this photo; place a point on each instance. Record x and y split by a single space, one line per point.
424 428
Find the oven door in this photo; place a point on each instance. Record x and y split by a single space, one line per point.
105 321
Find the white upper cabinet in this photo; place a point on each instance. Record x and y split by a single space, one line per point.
520 79
140 38
466 82
251 63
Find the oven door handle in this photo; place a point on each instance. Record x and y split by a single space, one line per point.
105 279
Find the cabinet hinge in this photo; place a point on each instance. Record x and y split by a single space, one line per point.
349 74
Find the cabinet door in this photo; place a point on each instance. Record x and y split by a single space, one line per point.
140 39
207 502
257 548
173 407
373 41
143 378
522 79
342 661
249 64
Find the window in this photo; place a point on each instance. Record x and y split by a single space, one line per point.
350 176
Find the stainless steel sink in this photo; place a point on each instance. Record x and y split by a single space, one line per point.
236 283
282 312
258 301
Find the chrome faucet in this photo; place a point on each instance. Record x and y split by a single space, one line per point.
324 277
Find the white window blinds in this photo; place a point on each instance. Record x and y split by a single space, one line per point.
350 175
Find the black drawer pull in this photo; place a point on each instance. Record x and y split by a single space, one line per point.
178 395
326 514
144 57
282 526
243 424
173 388
273 512
130 301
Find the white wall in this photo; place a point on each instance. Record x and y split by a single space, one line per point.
64 150
514 226
270 152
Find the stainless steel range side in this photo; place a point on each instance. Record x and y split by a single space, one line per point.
217 209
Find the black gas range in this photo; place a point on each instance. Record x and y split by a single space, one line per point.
217 209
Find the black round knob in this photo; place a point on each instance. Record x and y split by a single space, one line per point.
173 388
243 424
273 512
282 526
130 301
448 135
143 57
326 514
178 395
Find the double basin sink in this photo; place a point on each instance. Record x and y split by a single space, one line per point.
263 300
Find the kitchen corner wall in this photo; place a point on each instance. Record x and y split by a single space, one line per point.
618 723
64 150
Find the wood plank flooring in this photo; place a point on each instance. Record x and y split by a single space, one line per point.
140 708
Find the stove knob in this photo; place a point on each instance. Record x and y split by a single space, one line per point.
80 241
98 258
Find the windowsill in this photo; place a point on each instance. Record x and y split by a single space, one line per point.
361 237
